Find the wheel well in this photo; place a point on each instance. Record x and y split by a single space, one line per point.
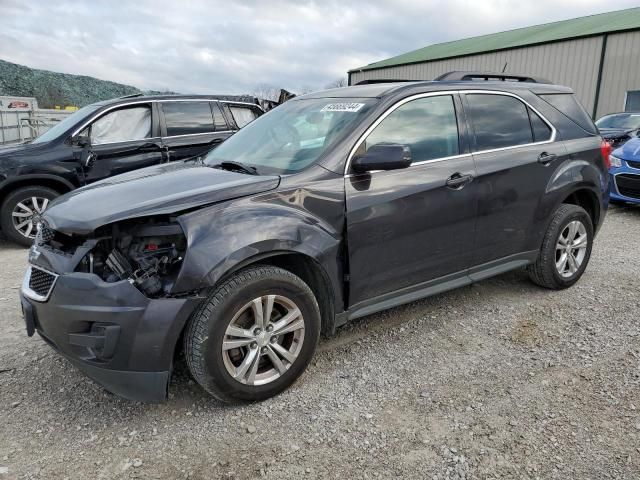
300 265
56 185
313 275
586 199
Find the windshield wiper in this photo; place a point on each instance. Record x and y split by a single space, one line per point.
236 166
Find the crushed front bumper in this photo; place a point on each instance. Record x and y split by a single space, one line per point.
111 331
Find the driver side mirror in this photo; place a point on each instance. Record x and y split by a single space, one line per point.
87 157
82 141
383 157
88 160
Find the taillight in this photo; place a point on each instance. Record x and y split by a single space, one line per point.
605 149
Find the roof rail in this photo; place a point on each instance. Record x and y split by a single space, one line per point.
133 95
373 81
490 77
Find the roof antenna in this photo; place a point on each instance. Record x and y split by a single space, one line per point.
505 66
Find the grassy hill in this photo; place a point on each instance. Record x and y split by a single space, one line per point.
62 89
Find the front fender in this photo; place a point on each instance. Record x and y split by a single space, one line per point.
221 237
10 182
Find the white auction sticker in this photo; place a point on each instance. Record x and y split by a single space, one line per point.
342 107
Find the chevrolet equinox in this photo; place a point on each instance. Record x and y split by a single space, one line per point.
330 207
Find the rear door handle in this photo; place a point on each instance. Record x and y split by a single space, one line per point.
458 181
546 158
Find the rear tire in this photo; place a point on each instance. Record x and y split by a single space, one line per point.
254 335
565 250
15 211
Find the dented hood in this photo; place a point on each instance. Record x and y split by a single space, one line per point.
629 151
615 132
162 189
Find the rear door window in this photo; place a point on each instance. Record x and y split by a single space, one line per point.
498 121
188 118
243 115
218 118
541 131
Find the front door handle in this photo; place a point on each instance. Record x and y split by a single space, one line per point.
546 158
457 181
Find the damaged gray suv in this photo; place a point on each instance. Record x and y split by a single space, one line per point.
333 206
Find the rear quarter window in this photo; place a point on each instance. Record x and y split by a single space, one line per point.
568 105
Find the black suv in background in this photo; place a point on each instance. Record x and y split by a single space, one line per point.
106 139
333 206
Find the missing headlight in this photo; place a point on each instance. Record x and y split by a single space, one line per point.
146 253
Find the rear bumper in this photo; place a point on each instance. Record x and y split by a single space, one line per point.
111 331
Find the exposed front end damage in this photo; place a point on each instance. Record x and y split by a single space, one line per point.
105 301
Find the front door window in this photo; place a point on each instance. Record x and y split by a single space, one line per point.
427 125
127 124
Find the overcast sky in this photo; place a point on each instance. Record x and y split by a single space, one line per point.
208 46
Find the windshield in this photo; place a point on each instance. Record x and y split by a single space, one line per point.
66 124
626 120
291 136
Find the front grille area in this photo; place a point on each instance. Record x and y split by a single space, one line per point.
628 185
44 234
41 282
634 164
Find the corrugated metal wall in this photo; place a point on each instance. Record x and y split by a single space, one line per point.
621 71
573 63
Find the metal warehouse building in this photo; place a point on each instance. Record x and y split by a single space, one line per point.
598 56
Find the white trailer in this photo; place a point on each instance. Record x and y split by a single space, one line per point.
21 120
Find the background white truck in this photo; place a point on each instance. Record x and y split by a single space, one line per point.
21 120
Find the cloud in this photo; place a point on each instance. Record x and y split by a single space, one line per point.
210 46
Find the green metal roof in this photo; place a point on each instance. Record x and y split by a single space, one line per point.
628 19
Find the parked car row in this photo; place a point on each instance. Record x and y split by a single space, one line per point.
106 139
625 173
618 128
621 131
330 207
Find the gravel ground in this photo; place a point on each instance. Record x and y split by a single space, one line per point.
498 380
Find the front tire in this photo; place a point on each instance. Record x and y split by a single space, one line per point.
254 335
21 210
566 249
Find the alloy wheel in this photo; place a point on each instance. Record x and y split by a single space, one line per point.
571 248
26 214
263 340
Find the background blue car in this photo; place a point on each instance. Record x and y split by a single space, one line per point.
625 172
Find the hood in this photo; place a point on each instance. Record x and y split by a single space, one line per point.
162 189
629 151
19 148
